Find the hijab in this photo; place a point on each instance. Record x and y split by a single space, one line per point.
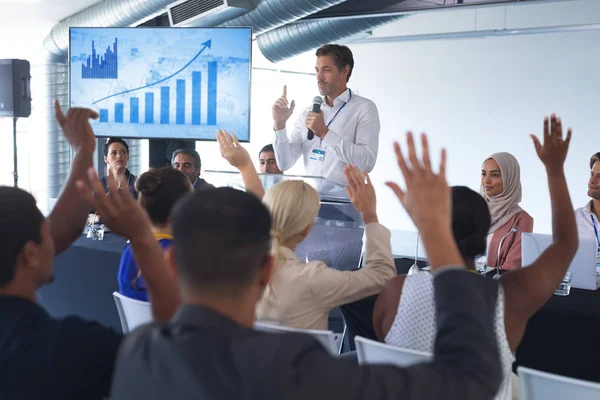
506 204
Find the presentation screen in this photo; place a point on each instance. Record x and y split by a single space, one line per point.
167 83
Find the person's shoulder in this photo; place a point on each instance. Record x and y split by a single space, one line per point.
78 328
523 216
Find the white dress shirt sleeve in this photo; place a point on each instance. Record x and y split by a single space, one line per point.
362 152
289 149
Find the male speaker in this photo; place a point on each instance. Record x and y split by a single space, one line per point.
15 91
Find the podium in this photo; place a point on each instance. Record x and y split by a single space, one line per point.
336 237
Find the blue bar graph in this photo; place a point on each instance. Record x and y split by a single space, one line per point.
103 115
180 102
164 104
211 118
149 113
134 110
119 113
101 67
196 92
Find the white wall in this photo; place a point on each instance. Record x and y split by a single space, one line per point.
479 96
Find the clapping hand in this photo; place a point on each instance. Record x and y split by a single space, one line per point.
554 150
361 193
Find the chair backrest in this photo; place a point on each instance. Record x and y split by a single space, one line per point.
330 340
371 352
538 385
132 313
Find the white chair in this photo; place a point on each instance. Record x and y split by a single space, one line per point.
330 340
538 385
404 244
132 313
371 352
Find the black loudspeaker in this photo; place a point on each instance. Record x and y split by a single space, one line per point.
15 90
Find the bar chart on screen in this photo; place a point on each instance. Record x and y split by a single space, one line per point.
163 83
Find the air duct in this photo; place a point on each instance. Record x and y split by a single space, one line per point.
271 14
207 13
109 13
297 38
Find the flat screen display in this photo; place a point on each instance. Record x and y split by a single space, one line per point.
167 83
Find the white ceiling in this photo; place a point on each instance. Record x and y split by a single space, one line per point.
25 24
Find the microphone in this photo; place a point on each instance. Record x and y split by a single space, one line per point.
415 268
513 230
317 101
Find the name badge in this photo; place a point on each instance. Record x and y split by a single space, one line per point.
317 155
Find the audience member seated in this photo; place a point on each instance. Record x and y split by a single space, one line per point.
159 189
501 188
588 217
223 262
405 314
188 162
268 163
42 357
301 294
116 157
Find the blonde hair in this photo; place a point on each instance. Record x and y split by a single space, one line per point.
294 206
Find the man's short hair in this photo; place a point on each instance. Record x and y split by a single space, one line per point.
111 141
221 239
188 152
341 55
21 221
595 158
267 149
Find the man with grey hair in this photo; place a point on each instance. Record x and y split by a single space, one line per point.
188 162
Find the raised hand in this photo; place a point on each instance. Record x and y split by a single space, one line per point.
428 201
282 110
117 209
232 150
427 195
554 150
76 127
361 194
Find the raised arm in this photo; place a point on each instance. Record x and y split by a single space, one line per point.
287 149
238 157
335 287
527 289
70 212
124 216
466 364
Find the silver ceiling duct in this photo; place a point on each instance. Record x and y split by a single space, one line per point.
271 14
297 38
109 13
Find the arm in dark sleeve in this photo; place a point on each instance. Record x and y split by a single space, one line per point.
466 363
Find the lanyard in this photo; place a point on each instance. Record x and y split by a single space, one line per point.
338 111
595 230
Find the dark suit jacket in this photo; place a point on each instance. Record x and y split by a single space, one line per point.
203 355
201 184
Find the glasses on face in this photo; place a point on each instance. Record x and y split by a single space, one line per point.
185 165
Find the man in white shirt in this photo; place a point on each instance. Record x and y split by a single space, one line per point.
588 217
346 130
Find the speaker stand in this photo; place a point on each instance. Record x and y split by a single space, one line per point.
15 173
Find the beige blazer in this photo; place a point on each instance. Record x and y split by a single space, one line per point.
302 294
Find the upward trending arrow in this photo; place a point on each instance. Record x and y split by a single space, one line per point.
205 45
